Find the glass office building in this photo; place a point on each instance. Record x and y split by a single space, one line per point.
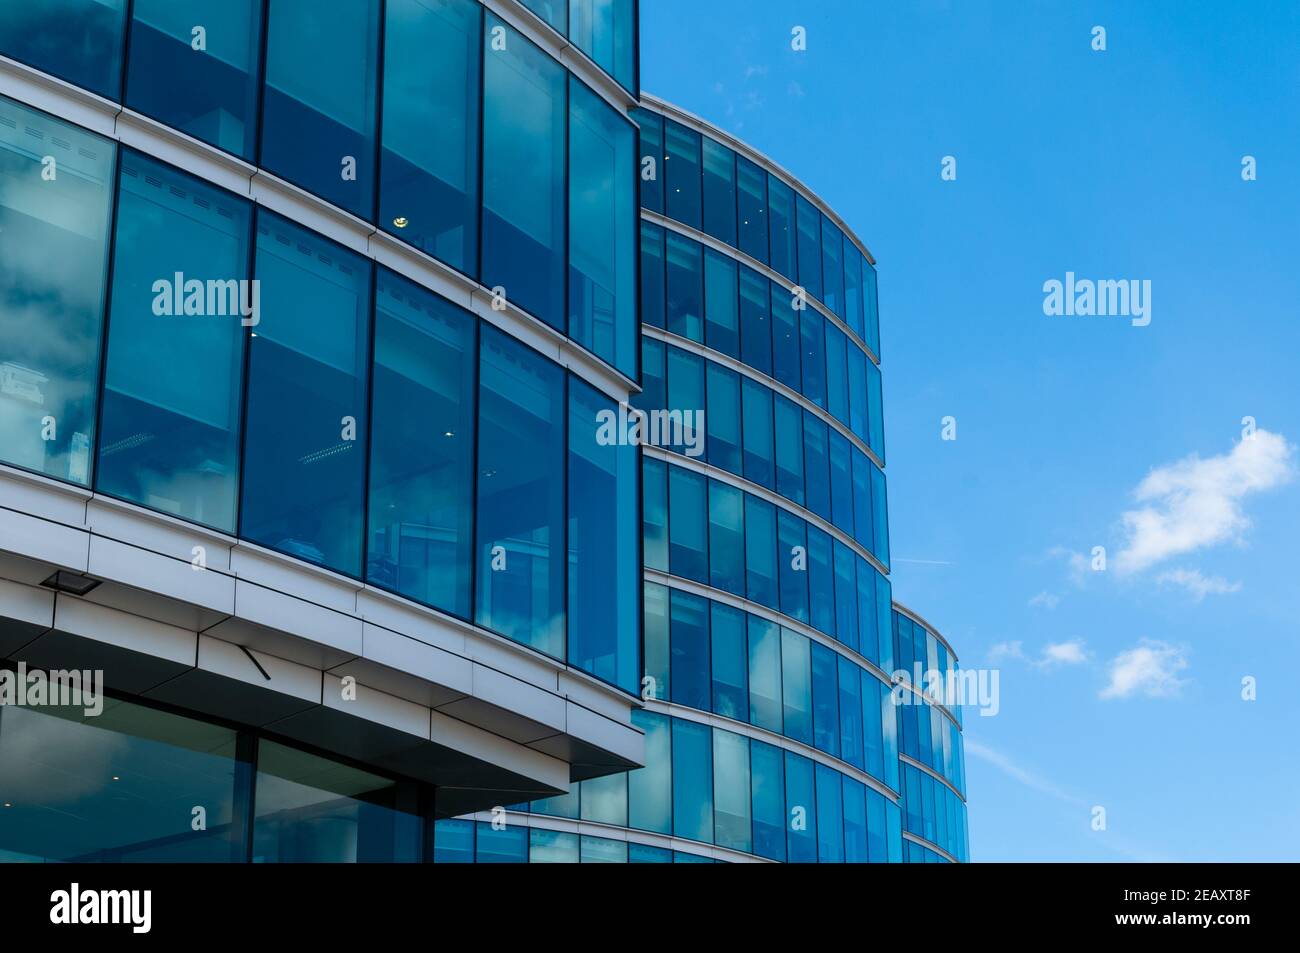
306 382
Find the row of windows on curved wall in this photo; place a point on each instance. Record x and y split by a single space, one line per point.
695 180
931 810
716 786
700 528
715 657
913 644
926 734
553 221
606 30
490 494
754 432
708 297
123 786
460 841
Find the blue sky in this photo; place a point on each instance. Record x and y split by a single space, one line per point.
1120 688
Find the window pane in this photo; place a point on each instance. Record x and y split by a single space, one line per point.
793 563
53 258
796 686
506 846
645 854
210 93
751 208
853 287
653 303
304 459
523 174
760 552
810 247
692 780
313 810
767 781
872 738
812 346
764 674
552 847
76 40
453 842
857 383
841 482
821 581
682 173
759 459
889 735
855 821
825 693
868 636
520 509
689 636
723 418
850 712
755 321
800 810
875 402
170 436
655 513
816 442
730 662
781 230
722 330
422 447
603 850
561 805
604 799
652 148
726 537
719 191
872 316
880 516
650 789
604 565
877 852
787 345
862 515
686 399
832 267
732 809
837 375
428 175
846 596
688 544
657 651
554 12
606 30
830 816
603 230
318 125
685 271
119 786
789 450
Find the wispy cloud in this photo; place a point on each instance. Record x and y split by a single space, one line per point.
1197 584
923 562
1052 655
1026 777
1045 600
1195 503
1151 669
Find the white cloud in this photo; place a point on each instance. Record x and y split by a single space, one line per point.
1024 776
1064 653
1047 600
1197 584
1151 669
1196 503
1005 650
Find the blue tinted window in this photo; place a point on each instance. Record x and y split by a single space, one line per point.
812 353
76 40
873 742
767 781
685 273
645 854
800 810
857 378
688 541
760 552
606 30
880 516
870 302
817 464
655 516
604 565
841 482
428 173
832 267
654 376
792 560
604 799
821 581
765 702
692 780
877 851
789 450
554 12
755 321
719 191
603 224
894 834
732 809
825 694
686 399
787 344
657 646
53 257
759 457
552 847
726 537
603 850
837 374
318 125
862 515
876 413
810 246
853 287
868 636
850 712
889 736
846 596
421 447
722 327
453 842
681 170
689 638
520 534
210 93
170 418
796 686
561 805
751 208
652 149
523 174
722 420
830 816
653 302
855 822
781 230
730 662
506 846
304 448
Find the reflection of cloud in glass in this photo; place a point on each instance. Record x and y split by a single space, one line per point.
51 760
